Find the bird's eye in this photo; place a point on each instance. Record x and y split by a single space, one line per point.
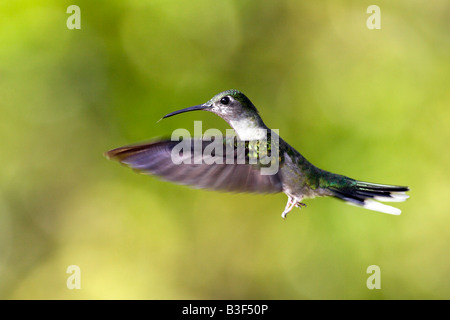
225 100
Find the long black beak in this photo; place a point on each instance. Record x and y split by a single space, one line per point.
194 108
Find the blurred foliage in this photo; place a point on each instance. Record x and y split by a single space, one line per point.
370 104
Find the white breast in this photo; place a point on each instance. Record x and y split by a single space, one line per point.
248 129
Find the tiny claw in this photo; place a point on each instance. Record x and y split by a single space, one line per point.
290 204
300 205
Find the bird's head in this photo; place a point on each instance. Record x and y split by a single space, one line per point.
231 105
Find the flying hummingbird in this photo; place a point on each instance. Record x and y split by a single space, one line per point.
295 176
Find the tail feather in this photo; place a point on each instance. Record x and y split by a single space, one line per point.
367 195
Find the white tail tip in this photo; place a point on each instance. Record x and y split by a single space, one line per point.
376 206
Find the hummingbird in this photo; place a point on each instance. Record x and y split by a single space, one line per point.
294 175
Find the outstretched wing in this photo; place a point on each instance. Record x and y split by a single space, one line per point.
200 164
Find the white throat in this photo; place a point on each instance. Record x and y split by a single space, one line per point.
249 129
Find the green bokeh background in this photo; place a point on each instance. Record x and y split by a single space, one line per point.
370 104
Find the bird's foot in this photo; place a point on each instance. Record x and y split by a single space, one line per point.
290 204
300 205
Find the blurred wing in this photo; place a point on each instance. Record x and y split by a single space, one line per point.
194 168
